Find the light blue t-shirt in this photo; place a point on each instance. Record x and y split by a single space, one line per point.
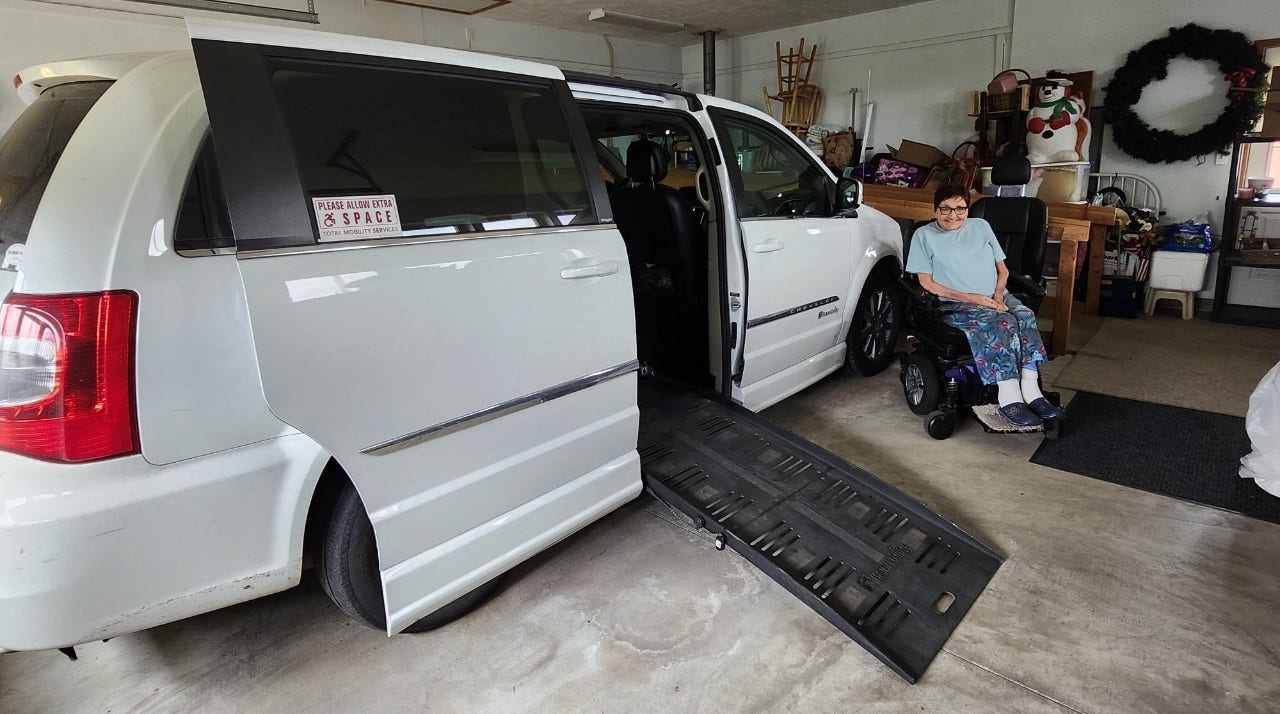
964 259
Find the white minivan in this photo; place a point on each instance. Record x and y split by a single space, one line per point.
383 305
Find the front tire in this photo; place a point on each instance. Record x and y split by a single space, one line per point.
940 425
874 331
347 566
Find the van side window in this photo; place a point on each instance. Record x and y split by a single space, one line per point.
203 225
774 177
457 154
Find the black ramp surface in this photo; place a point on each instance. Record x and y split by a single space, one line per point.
885 570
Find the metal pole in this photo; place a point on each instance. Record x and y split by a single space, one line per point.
709 62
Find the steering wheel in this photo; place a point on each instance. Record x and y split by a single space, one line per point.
790 207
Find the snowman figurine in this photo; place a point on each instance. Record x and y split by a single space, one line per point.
1056 127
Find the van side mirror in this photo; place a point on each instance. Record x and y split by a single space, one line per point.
849 194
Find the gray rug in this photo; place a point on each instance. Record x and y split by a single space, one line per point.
1184 453
1195 364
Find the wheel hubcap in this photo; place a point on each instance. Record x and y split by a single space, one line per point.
877 325
914 383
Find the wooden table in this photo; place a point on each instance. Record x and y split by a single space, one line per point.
1071 232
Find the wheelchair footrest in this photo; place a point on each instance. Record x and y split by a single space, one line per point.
989 416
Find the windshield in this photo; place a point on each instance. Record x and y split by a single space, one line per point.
29 152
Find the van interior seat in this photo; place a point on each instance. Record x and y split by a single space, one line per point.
666 242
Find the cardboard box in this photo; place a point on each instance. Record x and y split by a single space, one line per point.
917 154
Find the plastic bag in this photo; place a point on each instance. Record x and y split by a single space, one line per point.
1262 422
1188 238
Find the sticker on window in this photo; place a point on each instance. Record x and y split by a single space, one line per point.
356 217
13 257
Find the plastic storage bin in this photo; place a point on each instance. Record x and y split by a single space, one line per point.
1178 271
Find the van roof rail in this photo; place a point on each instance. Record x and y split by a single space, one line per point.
651 87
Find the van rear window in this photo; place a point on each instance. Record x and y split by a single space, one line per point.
30 151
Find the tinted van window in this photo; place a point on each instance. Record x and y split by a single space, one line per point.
30 150
203 224
442 154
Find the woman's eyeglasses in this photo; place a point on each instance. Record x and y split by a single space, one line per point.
948 210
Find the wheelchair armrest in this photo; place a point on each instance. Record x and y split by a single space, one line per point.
915 293
1028 291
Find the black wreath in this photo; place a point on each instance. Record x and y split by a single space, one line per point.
1239 62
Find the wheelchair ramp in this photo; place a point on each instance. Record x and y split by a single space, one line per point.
885 570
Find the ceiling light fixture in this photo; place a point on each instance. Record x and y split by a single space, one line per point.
639 22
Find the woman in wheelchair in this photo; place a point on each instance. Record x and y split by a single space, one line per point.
959 259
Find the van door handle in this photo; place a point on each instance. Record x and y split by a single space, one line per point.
767 247
589 268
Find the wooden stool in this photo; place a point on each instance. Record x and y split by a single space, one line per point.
1186 297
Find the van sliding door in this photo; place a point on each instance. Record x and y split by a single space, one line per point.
435 294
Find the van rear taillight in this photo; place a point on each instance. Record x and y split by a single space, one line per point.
66 375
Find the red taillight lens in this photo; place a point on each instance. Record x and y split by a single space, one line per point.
66 375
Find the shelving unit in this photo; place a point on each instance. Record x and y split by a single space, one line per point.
1232 258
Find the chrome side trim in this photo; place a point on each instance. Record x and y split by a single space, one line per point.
791 311
500 410
414 240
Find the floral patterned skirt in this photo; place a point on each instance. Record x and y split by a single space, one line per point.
1003 343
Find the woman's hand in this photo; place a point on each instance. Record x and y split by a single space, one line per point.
998 299
982 301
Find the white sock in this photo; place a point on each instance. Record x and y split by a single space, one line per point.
1031 384
1009 392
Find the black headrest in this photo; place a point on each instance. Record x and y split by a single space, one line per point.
1011 171
647 161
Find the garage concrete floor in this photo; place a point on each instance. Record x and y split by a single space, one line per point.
1111 600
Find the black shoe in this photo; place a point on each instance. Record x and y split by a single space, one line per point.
1019 414
1046 411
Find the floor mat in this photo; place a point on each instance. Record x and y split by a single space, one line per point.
1184 453
1187 363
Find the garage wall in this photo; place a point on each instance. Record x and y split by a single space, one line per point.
1192 95
924 59
37 32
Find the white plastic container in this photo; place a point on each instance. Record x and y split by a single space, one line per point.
1172 270
1065 182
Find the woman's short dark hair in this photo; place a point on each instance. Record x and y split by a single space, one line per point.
950 190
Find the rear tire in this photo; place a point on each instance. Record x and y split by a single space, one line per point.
347 566
920 384
874 330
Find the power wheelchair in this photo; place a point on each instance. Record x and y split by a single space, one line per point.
939 378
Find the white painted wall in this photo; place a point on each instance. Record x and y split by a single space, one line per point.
924 60
35 32
1191 96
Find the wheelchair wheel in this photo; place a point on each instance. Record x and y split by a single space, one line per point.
920 384
940 425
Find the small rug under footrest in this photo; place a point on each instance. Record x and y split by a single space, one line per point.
1183 453
993 420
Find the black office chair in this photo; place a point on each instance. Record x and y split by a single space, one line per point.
938 376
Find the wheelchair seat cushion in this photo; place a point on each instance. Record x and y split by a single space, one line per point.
945 334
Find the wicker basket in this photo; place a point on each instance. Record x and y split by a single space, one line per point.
1004 102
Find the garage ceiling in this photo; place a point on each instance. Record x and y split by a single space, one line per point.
735 17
